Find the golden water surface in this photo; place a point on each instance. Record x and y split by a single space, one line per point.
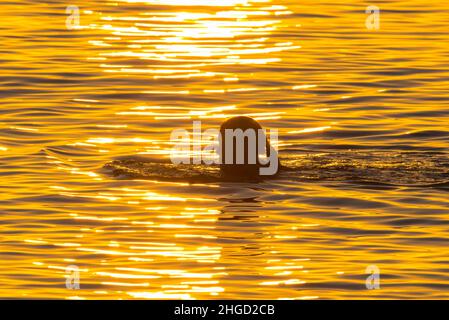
73 100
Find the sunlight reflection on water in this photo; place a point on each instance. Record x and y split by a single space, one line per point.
371 105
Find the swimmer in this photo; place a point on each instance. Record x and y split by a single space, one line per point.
251 166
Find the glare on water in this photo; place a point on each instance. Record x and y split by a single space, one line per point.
133 71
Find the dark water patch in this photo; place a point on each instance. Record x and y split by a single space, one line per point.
355 232
424 113
428 134
403 72
417 222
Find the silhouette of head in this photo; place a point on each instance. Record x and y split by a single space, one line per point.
241 143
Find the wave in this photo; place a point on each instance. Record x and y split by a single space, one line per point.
375 167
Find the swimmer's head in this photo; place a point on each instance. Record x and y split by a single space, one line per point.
241 142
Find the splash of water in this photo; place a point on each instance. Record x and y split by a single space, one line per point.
393 168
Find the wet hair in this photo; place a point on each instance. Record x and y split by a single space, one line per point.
247 169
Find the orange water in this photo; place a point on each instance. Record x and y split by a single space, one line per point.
74 100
